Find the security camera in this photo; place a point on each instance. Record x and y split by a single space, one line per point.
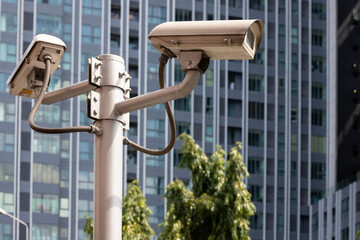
224 39
29 72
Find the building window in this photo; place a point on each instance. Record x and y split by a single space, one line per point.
234 134
8 23
91 7
157 216
6 231
281 59
45 173
259 57
3 78
85 207
182 15
177 158
281 86
235 80
315 222
45 203
293 197
318 117
256 138
209 76
64 178
155 128
294 116
7 112
318 91
281 141
282 7
234 108
318 171
182 127
183 104
256 221
256 165
318 11
90 34
294 145
316 195
281 168
257 193
281 32
318 38
157 161
293 169
280 223
156 15
256 83
7 201
64 207
294 35
115 41
345 234
256 110
345 208
7 52
6 172
179 74
294 62
49 24
318 144
155 185
257 5
48 114
209 105
209 134
132 157
44 231
86 151
85 62
86 180
294 85
6 142
358 201
318 64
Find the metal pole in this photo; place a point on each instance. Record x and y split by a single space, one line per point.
109 152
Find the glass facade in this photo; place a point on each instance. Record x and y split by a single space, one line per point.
275 105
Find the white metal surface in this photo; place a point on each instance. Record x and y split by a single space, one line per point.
222 39
108 155
32 59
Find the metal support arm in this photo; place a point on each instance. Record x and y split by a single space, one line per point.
160 96
68 92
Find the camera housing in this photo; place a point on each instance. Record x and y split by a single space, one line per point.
29 72
219 40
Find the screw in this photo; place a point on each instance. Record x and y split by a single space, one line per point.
95 99
189 62
95 112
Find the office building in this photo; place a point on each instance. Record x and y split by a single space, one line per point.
275 104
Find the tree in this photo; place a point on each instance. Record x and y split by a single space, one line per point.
135 213
218 207
358 235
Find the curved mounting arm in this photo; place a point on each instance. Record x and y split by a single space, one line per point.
160 96
90 129
195 64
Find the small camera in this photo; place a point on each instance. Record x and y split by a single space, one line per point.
29 72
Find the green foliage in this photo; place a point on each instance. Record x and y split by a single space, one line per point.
135 212
219 206
358 235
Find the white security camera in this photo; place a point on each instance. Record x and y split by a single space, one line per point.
224 39
29 72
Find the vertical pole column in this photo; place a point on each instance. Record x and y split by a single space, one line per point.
109 151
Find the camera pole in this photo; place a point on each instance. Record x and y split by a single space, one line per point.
108 73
